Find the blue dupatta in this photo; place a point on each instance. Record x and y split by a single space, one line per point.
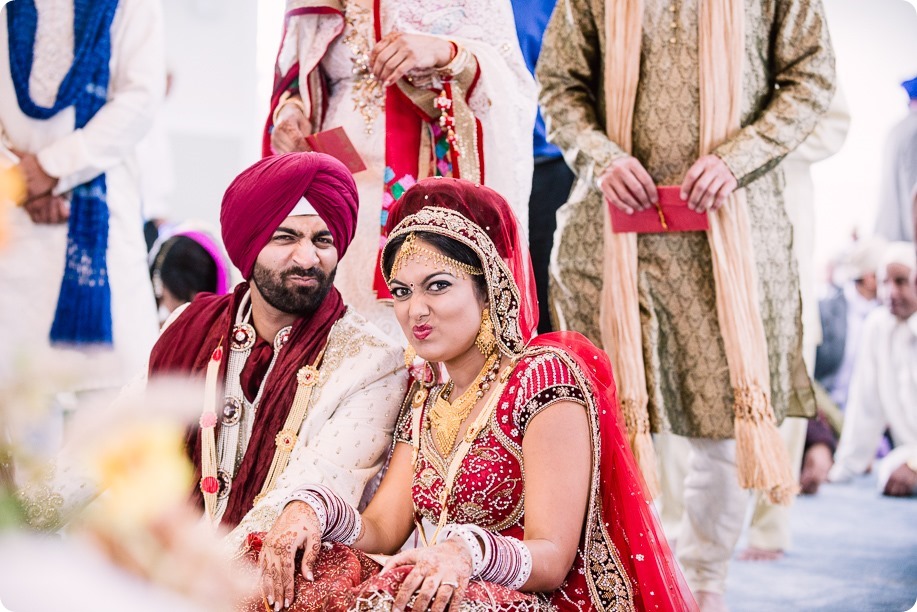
83 314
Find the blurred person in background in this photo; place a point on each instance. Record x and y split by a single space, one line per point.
894 220
79 86
883 390
852 294
183 263
842 314
421 89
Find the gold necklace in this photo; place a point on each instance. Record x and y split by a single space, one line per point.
446 417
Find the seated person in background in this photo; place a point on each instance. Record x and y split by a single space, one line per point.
573 528
325 384
183 264
820 443
842 315
883 391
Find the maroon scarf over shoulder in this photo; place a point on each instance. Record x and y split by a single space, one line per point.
185 349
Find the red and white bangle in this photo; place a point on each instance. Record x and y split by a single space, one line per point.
339 521
316 504
498 559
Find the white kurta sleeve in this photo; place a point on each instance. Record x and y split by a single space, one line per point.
864 419
346 452
136 89
892 461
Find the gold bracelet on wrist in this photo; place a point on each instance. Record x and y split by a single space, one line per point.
287 98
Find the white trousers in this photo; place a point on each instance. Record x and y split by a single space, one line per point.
770 523
714 514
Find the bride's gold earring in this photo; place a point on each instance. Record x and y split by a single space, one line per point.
486 339
409 356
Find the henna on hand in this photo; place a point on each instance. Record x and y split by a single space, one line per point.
296 527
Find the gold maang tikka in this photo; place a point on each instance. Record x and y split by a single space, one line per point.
411 250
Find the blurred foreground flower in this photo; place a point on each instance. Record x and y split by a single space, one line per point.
143 470
12 192
130 458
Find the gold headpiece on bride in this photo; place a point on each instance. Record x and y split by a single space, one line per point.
412 250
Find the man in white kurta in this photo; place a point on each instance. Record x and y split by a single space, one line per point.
32 263
883 391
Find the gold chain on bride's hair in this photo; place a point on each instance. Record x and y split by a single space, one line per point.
412 251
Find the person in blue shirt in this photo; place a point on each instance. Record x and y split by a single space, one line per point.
552 179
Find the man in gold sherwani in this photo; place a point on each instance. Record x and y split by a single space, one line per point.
787 83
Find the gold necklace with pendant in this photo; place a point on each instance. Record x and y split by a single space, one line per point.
446 417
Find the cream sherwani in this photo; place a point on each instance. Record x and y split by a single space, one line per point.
883 394
788 82
347 433
32 263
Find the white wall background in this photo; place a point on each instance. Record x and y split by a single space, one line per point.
222 55
876 46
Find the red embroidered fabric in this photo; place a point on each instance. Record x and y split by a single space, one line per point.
347 579
488 490
623 561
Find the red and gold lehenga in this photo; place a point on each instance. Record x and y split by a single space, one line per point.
623 561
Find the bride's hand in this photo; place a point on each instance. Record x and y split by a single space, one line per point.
440 575
399 53
296 527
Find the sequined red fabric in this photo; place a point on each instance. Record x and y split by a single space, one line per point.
488 489
346 579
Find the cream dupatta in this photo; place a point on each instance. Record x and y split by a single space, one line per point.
761 456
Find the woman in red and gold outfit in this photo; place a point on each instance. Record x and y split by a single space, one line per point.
516 473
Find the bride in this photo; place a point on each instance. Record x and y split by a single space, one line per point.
516 472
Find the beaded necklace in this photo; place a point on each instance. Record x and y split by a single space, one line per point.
220 462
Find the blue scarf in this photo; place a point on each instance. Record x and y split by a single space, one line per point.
83 314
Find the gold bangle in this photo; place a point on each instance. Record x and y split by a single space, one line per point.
287 98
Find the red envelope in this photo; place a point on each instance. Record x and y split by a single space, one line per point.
335 143
678 217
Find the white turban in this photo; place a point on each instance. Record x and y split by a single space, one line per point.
901 253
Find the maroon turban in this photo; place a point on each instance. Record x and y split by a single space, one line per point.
260 198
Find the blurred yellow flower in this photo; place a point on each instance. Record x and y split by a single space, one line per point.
12 191
144 473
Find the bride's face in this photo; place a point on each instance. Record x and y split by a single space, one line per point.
440 313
